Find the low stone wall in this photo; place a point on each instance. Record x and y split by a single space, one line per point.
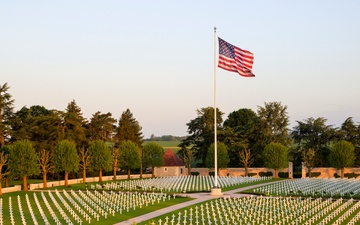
325 172
234 171
88 179
11 189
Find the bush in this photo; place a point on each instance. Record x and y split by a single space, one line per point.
314 174
252 174
283 174
351 175
336 176
211 173
266 174
195 173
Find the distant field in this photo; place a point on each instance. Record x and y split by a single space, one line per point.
167 144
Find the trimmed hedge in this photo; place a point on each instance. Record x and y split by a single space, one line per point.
266 174
314 174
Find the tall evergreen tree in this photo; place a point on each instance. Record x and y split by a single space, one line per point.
73 127
222 156
37 124
6 108
129 129
101 127
201 132
349 131
314 134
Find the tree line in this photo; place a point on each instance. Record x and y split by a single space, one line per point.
103 142
35 140
247 135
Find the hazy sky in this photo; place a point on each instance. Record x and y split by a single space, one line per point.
157 57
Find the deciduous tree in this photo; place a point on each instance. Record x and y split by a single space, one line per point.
84 162
153 155
342 155
129 156
274 121
309 159
115 155
246 159
100 157
65 158
275 157
44 158
23 161
239 134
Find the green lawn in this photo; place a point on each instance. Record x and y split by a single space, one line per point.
167 144
13 197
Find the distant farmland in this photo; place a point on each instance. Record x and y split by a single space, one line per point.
167 144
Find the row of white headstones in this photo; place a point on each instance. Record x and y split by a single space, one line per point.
266 211
78 207
178 183
314 187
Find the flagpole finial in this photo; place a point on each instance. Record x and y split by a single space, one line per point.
214 29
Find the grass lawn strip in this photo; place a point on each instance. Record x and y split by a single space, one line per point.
265 210
61 205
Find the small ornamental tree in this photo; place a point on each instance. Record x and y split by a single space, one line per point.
246 160
275 157
222 156
153 155
309 159
115 155
129 156
100 157
44 158
84 162
23 161
342 155
65 158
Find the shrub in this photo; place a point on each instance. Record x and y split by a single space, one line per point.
195 173
266 174
252 174
211 173
314 174
351 175
336 176
283 174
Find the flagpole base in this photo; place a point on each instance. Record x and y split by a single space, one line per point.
216 191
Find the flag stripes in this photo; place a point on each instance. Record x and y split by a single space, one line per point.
235 59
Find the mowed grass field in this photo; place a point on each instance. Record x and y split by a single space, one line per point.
168 144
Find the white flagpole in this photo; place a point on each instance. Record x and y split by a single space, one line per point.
215 124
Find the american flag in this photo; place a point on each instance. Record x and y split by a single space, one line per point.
235 59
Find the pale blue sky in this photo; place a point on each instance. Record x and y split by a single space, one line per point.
156 57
